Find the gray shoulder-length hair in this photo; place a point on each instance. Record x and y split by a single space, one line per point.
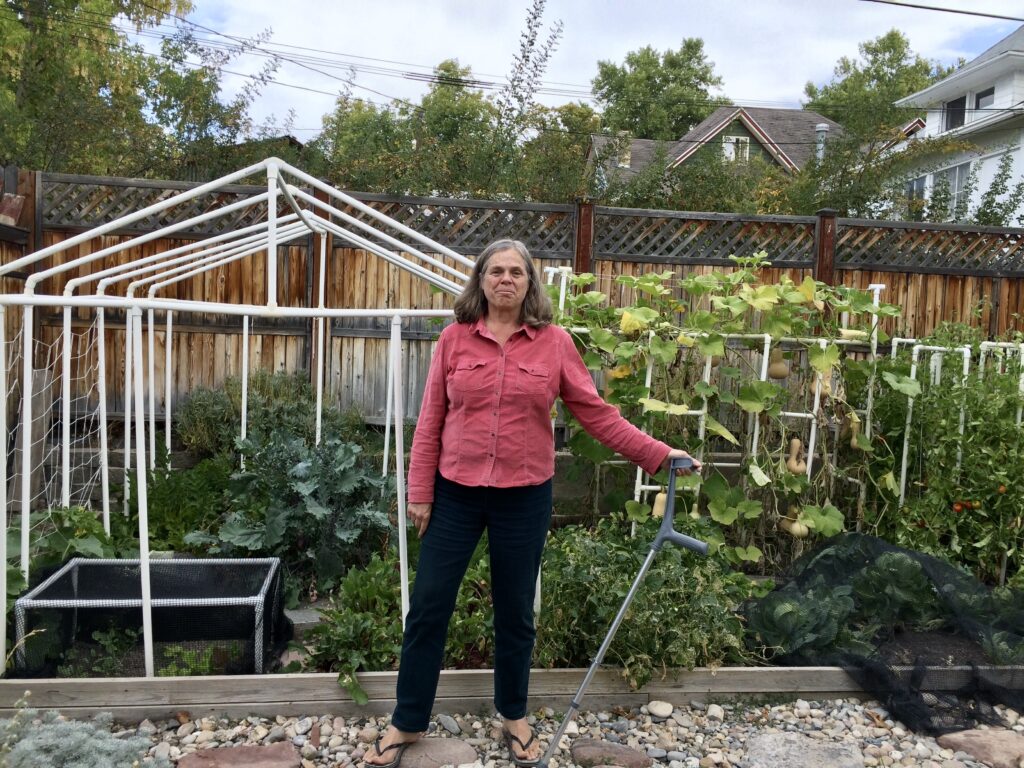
472 304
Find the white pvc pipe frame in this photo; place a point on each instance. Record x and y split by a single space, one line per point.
936 371
133 326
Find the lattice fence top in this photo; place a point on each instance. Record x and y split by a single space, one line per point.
467 226
708 238
82 202
936 248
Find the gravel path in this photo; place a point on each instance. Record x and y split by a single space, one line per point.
693 736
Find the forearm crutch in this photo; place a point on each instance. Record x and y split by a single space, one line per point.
666 533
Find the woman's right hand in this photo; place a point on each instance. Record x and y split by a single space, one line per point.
420 515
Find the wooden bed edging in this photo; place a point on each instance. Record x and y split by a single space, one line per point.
134 698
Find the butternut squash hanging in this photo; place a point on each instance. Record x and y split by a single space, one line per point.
795 463
778 368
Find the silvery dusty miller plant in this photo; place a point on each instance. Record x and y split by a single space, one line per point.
33 740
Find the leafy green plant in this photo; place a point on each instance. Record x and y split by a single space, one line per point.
321 509
58 534
103 657
682 616
963 499
362 628
674 326
895 592
180 502
812 620
206 422
179 660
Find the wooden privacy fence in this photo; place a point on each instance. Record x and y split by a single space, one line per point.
934 272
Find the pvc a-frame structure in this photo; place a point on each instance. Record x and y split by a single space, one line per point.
134 288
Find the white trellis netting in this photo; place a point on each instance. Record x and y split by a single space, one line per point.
60 384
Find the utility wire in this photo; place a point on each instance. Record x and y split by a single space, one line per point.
919 6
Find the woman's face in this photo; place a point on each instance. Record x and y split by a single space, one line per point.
505 280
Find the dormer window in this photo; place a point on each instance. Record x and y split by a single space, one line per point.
736 148
953 112
985 99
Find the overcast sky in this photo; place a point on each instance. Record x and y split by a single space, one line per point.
764 50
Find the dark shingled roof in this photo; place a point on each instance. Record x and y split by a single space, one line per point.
641 153
1012 42
790 130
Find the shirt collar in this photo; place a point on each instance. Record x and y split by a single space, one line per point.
480 327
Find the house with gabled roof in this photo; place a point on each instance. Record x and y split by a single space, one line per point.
788 138
982 104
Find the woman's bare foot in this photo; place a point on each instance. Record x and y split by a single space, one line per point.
524 745
386 750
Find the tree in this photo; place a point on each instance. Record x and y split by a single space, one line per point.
862 93
864 170
455 140
657 96
76 96
554 167
71 88
364 147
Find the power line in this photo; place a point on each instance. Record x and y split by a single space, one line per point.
944 10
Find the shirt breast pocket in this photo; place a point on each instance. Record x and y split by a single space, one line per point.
532 379
469 376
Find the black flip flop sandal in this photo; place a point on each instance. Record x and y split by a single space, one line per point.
520 761
400 746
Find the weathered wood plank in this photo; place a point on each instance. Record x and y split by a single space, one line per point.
459 690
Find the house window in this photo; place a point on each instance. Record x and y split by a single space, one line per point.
954 113
957 179
916 197
736 148
984 99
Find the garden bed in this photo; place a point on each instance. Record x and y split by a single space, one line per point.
132 699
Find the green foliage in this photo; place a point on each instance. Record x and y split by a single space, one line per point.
77 97
206 423
963 498
58 534
898 592
102 658
674 325
654 95
682 616
180 502
46 740
321 509
790 622
862 93
179 660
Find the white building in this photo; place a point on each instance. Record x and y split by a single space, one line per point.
981 103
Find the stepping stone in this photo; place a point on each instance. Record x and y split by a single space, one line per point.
794 750
433 753
591 753
280 755
996 747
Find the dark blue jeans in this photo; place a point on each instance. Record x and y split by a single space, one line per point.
516 520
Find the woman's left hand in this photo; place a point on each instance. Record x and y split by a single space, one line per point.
677 453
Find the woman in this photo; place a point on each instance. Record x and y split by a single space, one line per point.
482 458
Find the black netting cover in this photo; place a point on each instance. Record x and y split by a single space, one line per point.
209 617
936 646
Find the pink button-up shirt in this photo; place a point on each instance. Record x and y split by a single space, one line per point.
486 413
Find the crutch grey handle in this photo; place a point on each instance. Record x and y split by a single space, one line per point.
682 540
667 531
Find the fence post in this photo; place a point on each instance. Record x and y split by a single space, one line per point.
825 246
583 236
